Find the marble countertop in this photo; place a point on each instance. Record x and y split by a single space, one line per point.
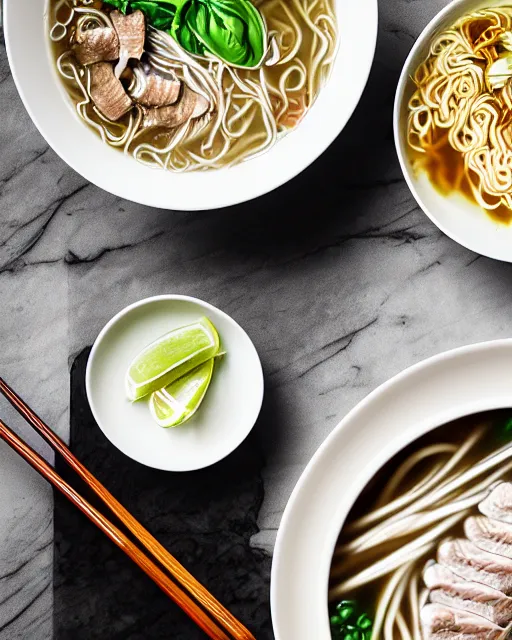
338 277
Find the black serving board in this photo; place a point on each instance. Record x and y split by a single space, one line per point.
205 518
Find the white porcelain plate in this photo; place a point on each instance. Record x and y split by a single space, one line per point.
227 414
449 386
49 107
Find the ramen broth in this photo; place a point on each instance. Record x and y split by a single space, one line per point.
445 169
459 124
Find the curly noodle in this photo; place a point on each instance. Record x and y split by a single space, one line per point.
453 98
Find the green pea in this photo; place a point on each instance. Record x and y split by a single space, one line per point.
364 622
345 609
349 623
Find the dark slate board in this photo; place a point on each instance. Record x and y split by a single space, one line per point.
205 519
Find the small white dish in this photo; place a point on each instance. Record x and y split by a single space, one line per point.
461 220
51 110
227 414
449 386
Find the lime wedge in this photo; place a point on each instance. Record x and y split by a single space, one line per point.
171 357
177 403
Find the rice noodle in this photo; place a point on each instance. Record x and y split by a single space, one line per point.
421 488
408 523
250 109
396 559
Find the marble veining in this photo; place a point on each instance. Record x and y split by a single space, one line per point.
338 277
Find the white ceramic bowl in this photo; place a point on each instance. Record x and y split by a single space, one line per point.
463 221
50 109
227 414
451 385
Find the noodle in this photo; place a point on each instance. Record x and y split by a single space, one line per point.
425 497
461 101
250 109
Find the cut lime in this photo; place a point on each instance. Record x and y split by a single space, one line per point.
177 403
171 357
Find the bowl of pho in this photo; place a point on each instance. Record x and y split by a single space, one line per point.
190 104
401 525
453 124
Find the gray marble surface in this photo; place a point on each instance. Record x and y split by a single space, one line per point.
338 277
206 517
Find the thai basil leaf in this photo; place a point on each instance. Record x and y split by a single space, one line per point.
189 41
159 15
122 5
233 30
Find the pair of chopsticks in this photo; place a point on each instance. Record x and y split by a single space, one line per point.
197 602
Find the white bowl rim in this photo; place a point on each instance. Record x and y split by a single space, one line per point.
427 32
315 563
204 305
216 189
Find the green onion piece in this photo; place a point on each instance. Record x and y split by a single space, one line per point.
348 622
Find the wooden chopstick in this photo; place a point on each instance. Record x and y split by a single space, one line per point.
115 534
177 570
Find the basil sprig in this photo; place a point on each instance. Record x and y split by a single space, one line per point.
157 14
232 30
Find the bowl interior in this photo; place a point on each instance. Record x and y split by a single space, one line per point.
455 384
227 413
460 219
418 472
50 109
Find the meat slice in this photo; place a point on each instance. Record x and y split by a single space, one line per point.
153 90
107 92
449 589
498 504
96 45
444 623
190 105
490 535
471 563
131 31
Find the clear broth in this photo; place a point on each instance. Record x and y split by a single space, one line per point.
159 137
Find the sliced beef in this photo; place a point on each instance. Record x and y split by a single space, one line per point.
190 105
107 92
471 563
440 622
96 45
449 589
490 535
153 90
131 31
498 504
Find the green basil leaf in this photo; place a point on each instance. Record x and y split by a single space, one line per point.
122 5
189 41
159 14
233 30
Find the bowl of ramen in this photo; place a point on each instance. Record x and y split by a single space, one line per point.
190 104
401 525
453 124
